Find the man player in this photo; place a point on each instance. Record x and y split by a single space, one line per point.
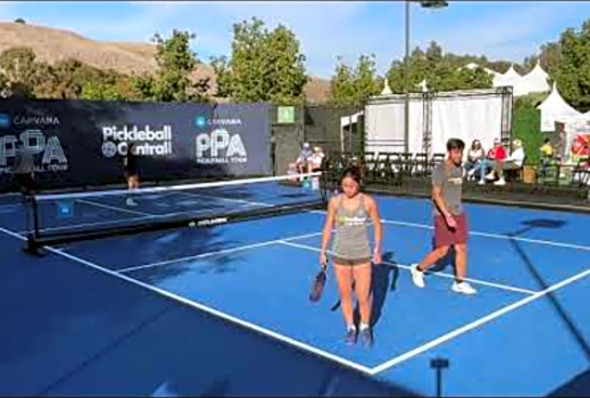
24 168
130 167
450 224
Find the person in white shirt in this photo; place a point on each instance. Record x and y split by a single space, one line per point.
513 162
317 159
304 160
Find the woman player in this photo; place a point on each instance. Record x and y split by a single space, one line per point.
348 213
130 167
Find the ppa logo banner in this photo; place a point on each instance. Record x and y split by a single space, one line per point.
220 147
232 139
52 156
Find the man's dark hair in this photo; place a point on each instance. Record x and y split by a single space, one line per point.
546 141
455 143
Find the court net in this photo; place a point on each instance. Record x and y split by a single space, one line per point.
67 217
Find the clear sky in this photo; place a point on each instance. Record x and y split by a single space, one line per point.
508 30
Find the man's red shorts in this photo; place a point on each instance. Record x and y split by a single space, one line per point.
444 236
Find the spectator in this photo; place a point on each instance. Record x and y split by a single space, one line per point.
474 158
316 165
547 153
513 162
304 160
317 158
495 155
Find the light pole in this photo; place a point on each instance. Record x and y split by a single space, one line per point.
431 4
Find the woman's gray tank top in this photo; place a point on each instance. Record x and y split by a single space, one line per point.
351 238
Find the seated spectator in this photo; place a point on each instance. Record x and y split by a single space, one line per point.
547 153
495 155
303 162
474 159
292 172
317 158
316 164
513 162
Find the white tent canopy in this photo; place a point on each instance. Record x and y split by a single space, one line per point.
423 85
510 78
474 65
535 81
555 108
386 89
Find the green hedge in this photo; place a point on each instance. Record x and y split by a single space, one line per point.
526 125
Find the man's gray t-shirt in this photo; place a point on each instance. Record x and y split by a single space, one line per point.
24 162
450 179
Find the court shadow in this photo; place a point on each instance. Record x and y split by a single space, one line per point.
538 277
544 223
579 386
445 262
383 280
218 389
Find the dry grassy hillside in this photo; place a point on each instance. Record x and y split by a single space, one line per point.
51 45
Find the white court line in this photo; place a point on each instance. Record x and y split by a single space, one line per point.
212 311
141 217
203 255
197 256
142 214
496 236
226 199
441 274
479 322
8 211
88 224
123 210
484 234
11 205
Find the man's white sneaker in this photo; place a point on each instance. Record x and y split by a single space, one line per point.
501 181
490 176
464 288
417 275
481 182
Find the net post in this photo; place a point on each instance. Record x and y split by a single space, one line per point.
33 234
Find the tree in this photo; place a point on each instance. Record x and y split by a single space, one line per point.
284 66
442 71
176 62
550 56
143 86
571 68
4 88
264 66
95 90
342 85
19 68
46 81
354 87
19 20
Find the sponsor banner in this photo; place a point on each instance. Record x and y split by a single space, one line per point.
234 137
81 143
